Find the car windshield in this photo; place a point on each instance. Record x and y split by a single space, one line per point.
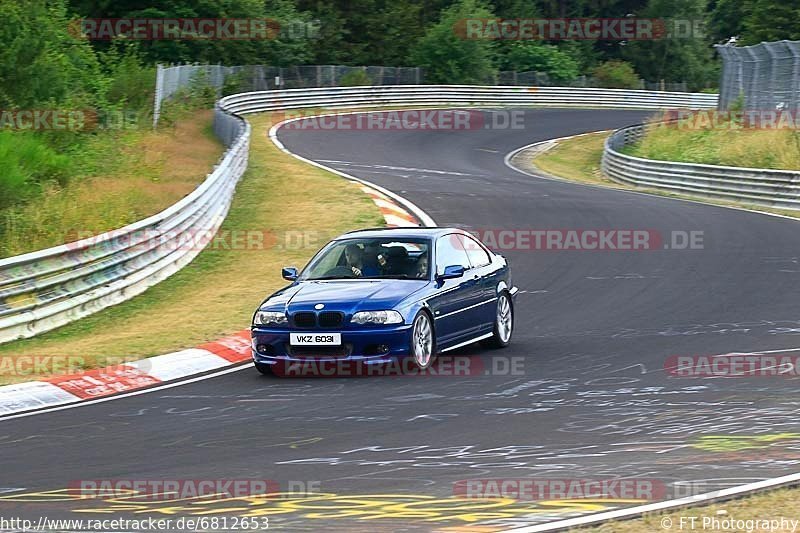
371 259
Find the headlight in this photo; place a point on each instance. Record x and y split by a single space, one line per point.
270 318
377 317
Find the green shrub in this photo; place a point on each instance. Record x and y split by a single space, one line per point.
237 83
355 78
738 104
28 163
132 85
616 74
526 56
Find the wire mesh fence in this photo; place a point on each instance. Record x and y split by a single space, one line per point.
764 77
542 79
231 80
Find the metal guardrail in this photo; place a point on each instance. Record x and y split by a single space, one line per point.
775 188
43 290
464 95
237 79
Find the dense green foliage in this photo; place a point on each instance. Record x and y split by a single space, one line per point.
46 62
27 163
616 74
448 57
754 21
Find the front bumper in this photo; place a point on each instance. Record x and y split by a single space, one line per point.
378 344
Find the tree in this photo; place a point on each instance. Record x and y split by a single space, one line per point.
679 57
532 55
40 61
448 57
771 20
755 21
370 32
285 48
727 19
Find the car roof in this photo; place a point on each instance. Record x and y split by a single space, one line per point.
395 233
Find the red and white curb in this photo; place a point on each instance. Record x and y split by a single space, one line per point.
126 377
394 215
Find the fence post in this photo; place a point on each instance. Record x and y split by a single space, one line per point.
773 67
751 99
794 48
159 92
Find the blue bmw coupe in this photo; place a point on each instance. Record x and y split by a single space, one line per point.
386 295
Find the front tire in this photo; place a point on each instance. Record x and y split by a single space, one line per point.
264 369
503 322
423 341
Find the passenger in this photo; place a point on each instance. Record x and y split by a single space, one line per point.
422 267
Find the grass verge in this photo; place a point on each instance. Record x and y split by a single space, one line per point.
774 505
708 138
578 159
128 175
292 207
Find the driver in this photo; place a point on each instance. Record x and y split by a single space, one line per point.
354 259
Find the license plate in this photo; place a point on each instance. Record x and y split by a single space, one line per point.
315 339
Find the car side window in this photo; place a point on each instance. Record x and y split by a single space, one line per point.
478 256
450 251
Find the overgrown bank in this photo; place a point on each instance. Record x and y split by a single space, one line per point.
283 211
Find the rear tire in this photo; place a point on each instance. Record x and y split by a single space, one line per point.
264 369
503 322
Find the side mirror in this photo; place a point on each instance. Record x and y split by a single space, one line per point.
289 273
452 271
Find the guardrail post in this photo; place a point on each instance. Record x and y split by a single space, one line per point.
794 48
159 93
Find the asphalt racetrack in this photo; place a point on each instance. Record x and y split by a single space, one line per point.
584 391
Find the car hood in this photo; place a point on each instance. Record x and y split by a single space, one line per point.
346 295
